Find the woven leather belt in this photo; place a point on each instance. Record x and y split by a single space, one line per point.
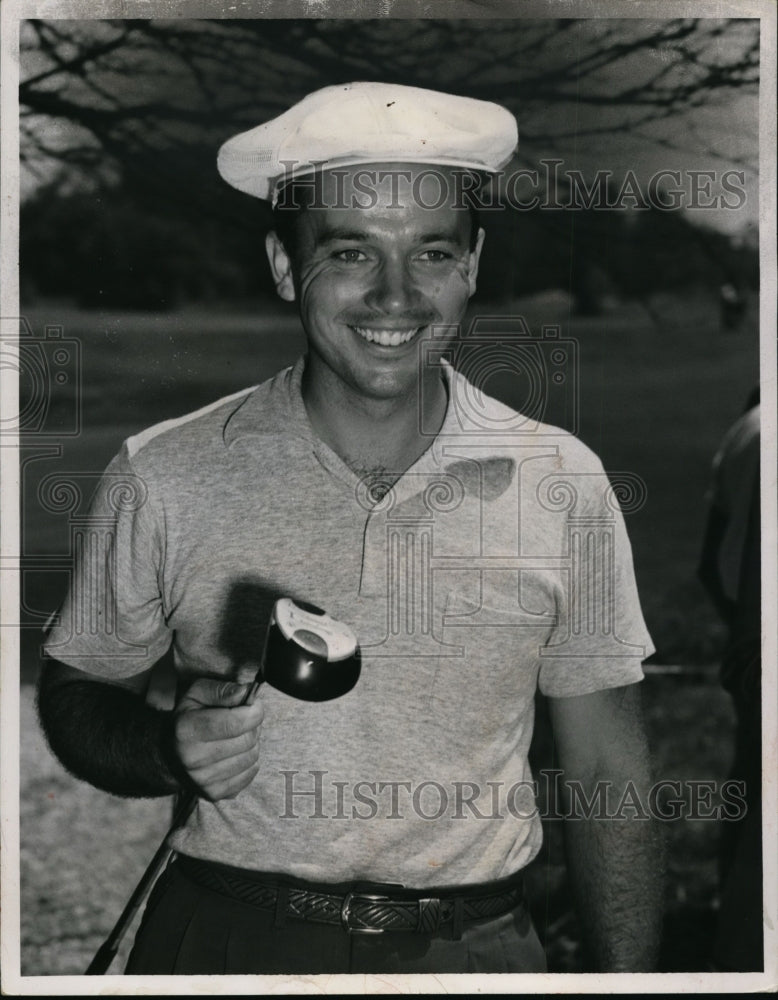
358 912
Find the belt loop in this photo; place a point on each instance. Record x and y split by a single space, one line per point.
457 918
282 904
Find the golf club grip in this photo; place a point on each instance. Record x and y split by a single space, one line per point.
107 951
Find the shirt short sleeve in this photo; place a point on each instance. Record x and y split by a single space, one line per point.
600 638
112 622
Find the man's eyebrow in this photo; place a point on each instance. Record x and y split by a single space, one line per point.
441 236
332 234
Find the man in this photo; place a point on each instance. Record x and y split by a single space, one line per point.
477 555
730 569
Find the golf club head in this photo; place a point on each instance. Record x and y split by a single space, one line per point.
308 654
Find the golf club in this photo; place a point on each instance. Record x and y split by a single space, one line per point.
308 655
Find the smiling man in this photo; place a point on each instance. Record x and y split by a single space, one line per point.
478 555
371 283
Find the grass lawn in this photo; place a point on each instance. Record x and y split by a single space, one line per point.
654 400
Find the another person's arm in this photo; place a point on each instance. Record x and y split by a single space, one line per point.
105 733
615 864
708 571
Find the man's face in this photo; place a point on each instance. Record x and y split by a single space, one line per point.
372 282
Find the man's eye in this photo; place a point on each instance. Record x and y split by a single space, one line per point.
434 256
350 256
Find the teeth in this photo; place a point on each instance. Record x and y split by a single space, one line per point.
386 338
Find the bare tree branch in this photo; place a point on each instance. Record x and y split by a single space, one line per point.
142 86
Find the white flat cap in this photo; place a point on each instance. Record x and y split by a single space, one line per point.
354 123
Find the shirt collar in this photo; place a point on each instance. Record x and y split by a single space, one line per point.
274 408
277 407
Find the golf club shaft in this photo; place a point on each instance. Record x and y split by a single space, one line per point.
107 951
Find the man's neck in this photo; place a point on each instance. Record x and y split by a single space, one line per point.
375 437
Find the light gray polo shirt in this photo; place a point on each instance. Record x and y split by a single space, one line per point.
497 564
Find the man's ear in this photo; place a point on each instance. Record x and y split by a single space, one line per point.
280 267
475 256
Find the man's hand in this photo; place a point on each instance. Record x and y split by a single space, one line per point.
216 737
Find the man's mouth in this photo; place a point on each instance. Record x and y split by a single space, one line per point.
386 338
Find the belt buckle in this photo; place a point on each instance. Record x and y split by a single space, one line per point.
345 912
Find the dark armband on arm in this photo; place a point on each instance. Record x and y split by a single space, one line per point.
111 738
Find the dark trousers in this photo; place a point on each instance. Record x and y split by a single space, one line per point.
739 945
190 930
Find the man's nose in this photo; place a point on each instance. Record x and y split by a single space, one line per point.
393 290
